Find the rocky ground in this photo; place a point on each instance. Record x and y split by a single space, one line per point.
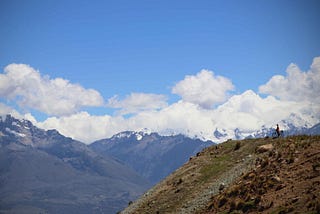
250 176
286 179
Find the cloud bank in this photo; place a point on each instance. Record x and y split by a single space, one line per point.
247 112
204 89
137 102
29 89
294 97
296 85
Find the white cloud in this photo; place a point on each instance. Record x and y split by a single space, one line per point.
296 85
247 111
136 102
181 117
204 89
29 89
193 115
5 110
83 126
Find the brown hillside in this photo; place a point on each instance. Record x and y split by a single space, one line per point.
248 176
285 179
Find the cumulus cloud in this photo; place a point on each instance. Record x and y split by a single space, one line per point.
193 115
4 110
296 85
247 112
180 117
136 102
84 127
29 89
204 89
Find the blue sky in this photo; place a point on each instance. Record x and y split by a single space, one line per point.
124 47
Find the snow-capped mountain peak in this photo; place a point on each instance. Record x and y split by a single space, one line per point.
137 135
25 132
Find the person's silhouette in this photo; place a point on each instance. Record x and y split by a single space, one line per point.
278 130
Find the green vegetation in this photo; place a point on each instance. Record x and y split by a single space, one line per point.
217 166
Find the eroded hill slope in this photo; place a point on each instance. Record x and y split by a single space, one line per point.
242 177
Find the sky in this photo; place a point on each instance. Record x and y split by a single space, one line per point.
91 69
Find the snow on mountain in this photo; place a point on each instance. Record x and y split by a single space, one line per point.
14 132
129 134
44 171
152 155
248 112
315 130
249 115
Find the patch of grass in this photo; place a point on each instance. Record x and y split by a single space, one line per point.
237 146
216 167
282 210
227 146
249 205
228 154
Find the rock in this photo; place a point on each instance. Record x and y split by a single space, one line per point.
221 187
251 175
276 178
264 148
176 183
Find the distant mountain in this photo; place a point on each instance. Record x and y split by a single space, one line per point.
151 155
155 156
289 129
315 130
46 172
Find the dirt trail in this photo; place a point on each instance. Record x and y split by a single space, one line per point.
200 202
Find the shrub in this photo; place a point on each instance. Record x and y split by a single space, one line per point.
237 146
222 201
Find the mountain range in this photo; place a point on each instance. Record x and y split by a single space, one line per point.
288 127
151 155
46 172
155 156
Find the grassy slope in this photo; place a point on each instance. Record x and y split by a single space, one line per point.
194 188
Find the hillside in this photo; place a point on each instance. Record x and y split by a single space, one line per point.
249 176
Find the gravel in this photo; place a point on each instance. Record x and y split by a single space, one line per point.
200 202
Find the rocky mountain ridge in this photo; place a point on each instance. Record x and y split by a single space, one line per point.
267 175
288 128
284 179
153 156
38 160
45 172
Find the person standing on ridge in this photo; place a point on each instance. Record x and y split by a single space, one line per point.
278 130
